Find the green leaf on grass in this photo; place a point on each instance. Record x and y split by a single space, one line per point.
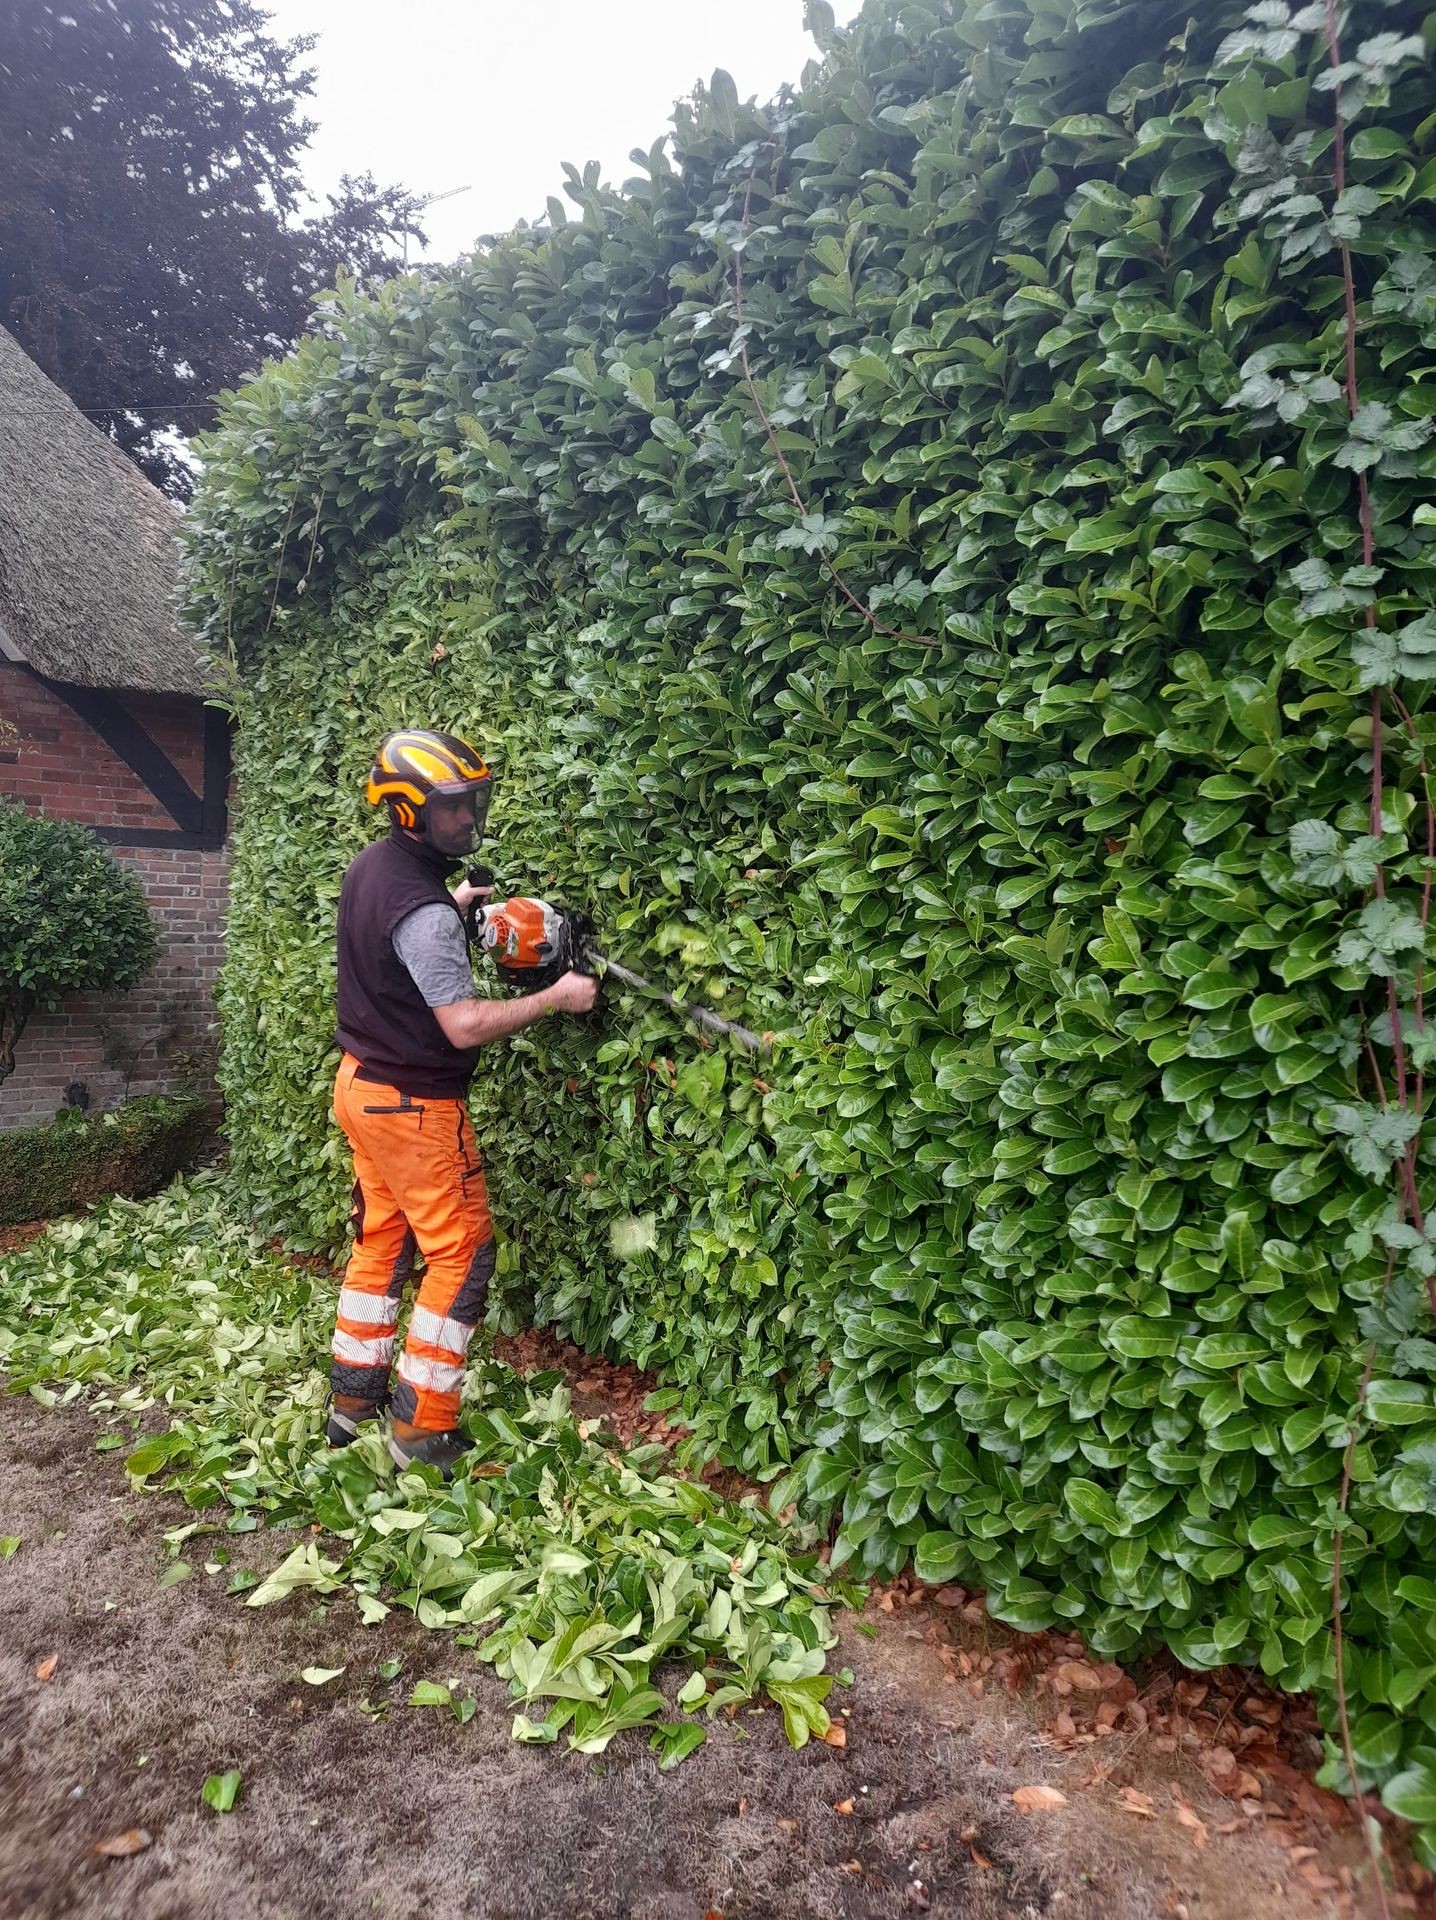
673 1741
221 1790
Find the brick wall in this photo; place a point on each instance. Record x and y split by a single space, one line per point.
162 1033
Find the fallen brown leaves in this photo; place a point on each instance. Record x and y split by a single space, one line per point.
120 1846
1219 1764
14 1239
1080 1676
975 1854
46 1668
1187 1818
1038 1799
1256 1748
619 1388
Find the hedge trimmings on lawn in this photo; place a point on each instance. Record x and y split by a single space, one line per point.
599 1573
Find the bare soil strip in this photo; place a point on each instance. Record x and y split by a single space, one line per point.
355 1803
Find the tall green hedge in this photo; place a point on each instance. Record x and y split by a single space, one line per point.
1051 1240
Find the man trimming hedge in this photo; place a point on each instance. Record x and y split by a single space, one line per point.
410 1027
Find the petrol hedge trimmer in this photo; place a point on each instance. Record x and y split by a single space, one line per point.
534 942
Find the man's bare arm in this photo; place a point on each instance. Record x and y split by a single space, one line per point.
474 1023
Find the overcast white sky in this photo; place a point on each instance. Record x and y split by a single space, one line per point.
494 94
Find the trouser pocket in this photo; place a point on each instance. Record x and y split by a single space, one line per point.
406 1105
471 1165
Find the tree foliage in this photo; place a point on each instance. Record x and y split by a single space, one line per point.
153 246
1051 1245
71 917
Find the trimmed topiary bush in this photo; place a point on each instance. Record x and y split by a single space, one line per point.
71 918
78 1158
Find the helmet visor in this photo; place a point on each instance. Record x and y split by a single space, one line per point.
458 811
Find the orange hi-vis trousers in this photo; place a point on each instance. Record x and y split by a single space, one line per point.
419 1183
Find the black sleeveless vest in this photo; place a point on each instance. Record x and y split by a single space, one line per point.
384 1020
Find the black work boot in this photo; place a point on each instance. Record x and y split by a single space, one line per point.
347 1414
410 1447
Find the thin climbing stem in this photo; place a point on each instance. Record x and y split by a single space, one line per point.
1338 1603
894 633
1409 1200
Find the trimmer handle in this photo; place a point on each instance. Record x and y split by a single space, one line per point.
477 876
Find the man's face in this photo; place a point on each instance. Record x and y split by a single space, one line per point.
452 821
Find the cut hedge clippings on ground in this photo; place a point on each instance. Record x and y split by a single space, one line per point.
586 1576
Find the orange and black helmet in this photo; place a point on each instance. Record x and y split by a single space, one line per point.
414 763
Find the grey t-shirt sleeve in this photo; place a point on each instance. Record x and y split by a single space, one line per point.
430 941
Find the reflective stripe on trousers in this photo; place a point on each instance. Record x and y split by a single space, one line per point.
419 1183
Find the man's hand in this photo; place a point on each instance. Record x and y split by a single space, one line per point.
574 993
464 895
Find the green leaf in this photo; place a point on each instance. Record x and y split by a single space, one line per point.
801 1702
633 1236
673 1741
1399 1403
534 1732
155 1453
1093 1505
1412 1794
1020 888
939 1558
1220 1351
1239 1244
693 1691
1070 1157
320 1676
302 1568
221 1790
1278 1530
429 1693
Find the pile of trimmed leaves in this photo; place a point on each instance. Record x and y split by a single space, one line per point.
592 1568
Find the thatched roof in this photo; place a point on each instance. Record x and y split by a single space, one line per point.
88 557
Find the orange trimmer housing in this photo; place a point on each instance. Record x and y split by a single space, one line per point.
532 942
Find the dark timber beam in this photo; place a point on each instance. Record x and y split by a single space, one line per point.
201 819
